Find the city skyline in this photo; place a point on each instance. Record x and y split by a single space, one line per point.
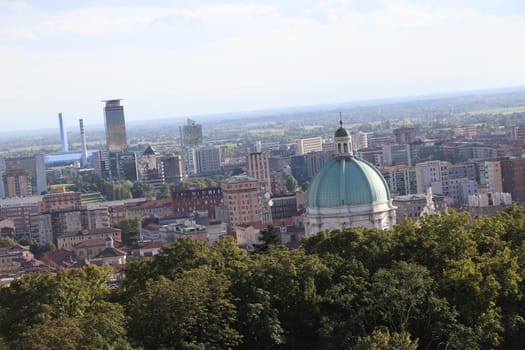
207 57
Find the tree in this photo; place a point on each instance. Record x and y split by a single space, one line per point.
34 301
279 299
194 311
7 242
269 236
141 189
384 340
290 183
165 191
130 229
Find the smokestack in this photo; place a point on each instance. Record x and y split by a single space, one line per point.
83 159
63 135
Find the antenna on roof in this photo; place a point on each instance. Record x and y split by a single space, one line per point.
340 119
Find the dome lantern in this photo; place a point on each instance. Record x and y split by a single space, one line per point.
342 140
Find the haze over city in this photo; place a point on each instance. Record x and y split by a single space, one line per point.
177 59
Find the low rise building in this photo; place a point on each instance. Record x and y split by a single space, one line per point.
68 241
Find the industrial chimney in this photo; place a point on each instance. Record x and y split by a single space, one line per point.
83 159
63 135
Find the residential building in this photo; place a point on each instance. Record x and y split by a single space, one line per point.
413 205
284 206
70 240
401 180
150 169
191 134
489 177
513 175
432 174
242 197
34 165
404 135
359 140
173 170
64 200
17 183
259 168
206 160
20 211
309 144
185 202
396 154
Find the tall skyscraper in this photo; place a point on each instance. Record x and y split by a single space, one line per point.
191 133
115 126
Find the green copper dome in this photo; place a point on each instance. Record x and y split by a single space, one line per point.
347 181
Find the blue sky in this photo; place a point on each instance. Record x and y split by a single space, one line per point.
184 58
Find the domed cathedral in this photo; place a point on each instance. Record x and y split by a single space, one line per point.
348 192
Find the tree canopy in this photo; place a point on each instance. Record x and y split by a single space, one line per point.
446 281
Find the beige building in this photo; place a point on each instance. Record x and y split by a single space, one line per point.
259 168
64 200
310 144
17 183
242 197
69 241
20 211
490 176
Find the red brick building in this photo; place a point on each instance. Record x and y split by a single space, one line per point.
184 202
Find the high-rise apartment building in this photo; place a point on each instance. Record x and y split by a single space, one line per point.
173 171
34 165
116 166
489 176
396 154
150 168
359 140
17 182
310 144
206 160
191 133
405 135
401 180
20 211
115 126
432 174
513 174
259 168
242 197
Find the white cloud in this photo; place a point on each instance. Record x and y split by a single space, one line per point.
17 34
13 5
220 57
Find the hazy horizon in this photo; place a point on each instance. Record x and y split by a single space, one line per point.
202 58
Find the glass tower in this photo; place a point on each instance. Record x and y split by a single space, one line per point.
115 126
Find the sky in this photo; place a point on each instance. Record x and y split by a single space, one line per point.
176 58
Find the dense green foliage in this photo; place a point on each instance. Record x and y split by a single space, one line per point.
444 282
